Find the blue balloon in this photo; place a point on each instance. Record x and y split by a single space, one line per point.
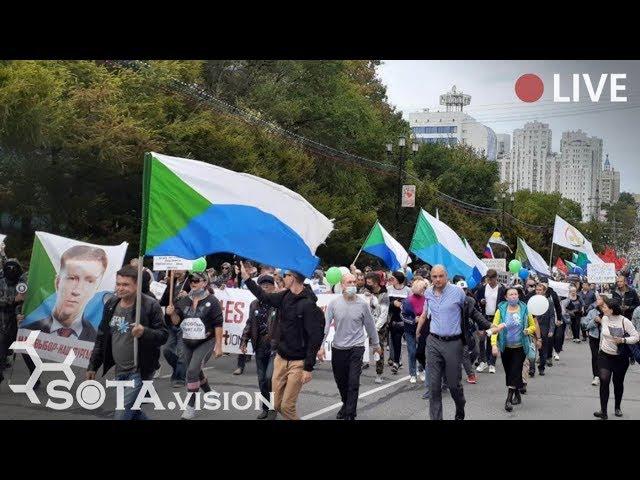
523 273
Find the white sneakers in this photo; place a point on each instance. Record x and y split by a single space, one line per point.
556 356
596 381
378 379
482 367
422 376
189 413
492 369
413 379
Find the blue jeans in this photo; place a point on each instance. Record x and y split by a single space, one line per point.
130 396
173 352
412 345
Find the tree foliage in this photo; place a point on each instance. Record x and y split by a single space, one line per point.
73 136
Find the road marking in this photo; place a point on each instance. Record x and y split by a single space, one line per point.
362 395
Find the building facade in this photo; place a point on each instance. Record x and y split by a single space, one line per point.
453 126
581 171
609 184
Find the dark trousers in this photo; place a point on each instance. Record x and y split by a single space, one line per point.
396 341
594 345
444 360
558 337
242 360
575 327
512 361
347 367
611 366
484 344
383 336
264 367
421 351
7 337
546 351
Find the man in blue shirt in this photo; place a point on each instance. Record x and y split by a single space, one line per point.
445 342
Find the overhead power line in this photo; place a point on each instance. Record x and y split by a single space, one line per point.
200 94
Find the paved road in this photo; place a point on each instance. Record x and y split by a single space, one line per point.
564 393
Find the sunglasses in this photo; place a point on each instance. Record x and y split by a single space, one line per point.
196 280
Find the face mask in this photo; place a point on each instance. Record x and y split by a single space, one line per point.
197 292
513 301
369 287
351 291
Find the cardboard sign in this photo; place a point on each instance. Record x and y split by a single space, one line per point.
498 264
157 288
171 263
601 273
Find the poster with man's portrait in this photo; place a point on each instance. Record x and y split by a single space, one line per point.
69 283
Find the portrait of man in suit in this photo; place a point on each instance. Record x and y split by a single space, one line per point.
81 270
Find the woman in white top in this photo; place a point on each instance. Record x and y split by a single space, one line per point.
612 358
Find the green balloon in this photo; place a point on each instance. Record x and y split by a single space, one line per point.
515 266
199 265
334 276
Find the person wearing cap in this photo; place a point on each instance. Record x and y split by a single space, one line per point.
200 317
351 315
259 331
226 277
298 337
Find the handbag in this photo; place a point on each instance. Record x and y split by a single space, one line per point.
631 350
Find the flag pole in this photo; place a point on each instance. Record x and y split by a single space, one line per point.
551 258
146 180
365 241
138 309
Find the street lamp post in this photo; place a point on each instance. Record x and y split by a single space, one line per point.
402 143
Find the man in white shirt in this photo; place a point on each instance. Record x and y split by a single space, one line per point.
489 296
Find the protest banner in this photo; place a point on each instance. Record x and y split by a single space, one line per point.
561 288
601 272
171 263
235 303
498 264
69 283
157 288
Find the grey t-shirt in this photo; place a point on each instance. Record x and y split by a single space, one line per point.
122 340
350 317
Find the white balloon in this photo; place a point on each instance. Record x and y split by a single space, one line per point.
345 270
538 305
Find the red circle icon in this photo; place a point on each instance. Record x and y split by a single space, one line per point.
529 87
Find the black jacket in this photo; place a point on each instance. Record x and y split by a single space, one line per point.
300 330
556 302
629 300
155 335
250 332
502 296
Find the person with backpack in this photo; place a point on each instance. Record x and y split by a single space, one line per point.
297 336
591 323
349 314
513 342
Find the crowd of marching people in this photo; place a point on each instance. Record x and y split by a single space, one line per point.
445 327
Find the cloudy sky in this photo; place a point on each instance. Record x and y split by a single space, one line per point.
413 85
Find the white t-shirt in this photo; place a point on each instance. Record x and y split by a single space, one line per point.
491 297
613 327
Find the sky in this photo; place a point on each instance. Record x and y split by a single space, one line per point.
416 84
